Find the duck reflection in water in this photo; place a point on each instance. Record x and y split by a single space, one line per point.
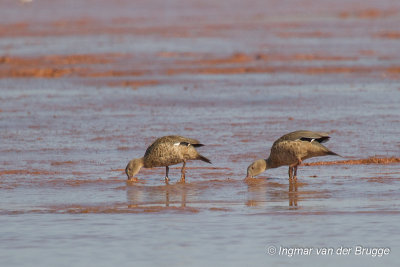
262 191
293 194
150 196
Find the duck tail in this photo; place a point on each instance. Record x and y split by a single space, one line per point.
200 157
333 154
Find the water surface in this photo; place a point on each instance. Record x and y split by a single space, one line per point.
86 87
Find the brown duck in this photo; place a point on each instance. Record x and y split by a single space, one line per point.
166 151
291 149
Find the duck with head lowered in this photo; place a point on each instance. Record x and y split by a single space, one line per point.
290 150
166 151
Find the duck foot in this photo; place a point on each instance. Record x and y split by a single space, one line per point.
166 180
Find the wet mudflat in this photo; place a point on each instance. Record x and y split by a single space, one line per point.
85 87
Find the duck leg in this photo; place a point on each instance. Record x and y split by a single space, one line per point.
295 169
290 172
183 172
166 174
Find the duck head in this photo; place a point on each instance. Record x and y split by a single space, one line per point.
256 168
133 168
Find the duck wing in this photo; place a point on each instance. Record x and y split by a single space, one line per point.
177 139
164 145
304 135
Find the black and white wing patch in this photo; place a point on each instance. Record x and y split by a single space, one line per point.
319 140
182 144
187 144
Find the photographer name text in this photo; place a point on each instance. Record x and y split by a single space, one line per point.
326 251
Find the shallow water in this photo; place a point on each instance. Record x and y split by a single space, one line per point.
83 92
